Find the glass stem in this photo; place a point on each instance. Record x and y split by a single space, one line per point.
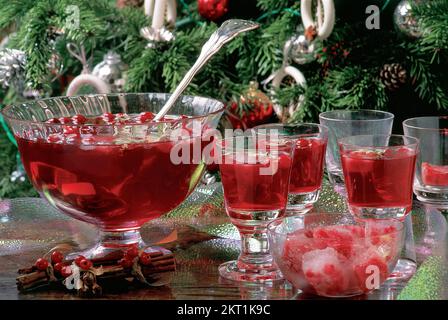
110 239
255 249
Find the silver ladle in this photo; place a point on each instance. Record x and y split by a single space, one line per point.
226 32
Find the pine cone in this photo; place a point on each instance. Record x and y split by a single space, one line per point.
393 76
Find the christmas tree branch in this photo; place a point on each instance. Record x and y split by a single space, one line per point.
13 10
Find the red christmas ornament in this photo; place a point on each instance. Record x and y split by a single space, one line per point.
213 10
253 108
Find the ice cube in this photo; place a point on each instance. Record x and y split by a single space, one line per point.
296 245
370 268
339 238
326 271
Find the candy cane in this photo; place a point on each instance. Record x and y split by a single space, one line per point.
298 77
159 9
325 27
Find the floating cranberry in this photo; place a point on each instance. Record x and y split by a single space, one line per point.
126 263
70 130
56 257
58 267
66 271
145 116
53 120
55 138
132 252
145 259
41 264
79 119
65 120
85 264
84 130
108 117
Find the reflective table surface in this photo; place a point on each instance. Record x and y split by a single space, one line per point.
203 239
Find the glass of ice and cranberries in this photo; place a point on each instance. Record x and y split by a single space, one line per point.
431 183
308 166
379 174
335 255
255 177
102 159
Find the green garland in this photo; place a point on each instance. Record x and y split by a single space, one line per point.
334 81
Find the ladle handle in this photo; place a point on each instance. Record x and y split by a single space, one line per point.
228 30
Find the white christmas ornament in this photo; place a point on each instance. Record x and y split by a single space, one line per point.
325 17
160 11
301 50
299 78
85 78
276 80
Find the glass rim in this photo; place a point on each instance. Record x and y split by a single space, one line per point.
294 136
343 141
7 108
405 124
323 115
272 226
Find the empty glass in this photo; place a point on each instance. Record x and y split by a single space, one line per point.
431 183
379 173
255 177
308 166
345 123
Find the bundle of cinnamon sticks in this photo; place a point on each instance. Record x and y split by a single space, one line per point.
32 278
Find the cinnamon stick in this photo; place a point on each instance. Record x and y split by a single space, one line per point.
112 259
31 278
27 270
162 257
161 263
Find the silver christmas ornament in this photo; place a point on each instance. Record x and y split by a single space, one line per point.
405 21
112 71
156 37
18 176
301 50
208 178
12 68
34 94
12 74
